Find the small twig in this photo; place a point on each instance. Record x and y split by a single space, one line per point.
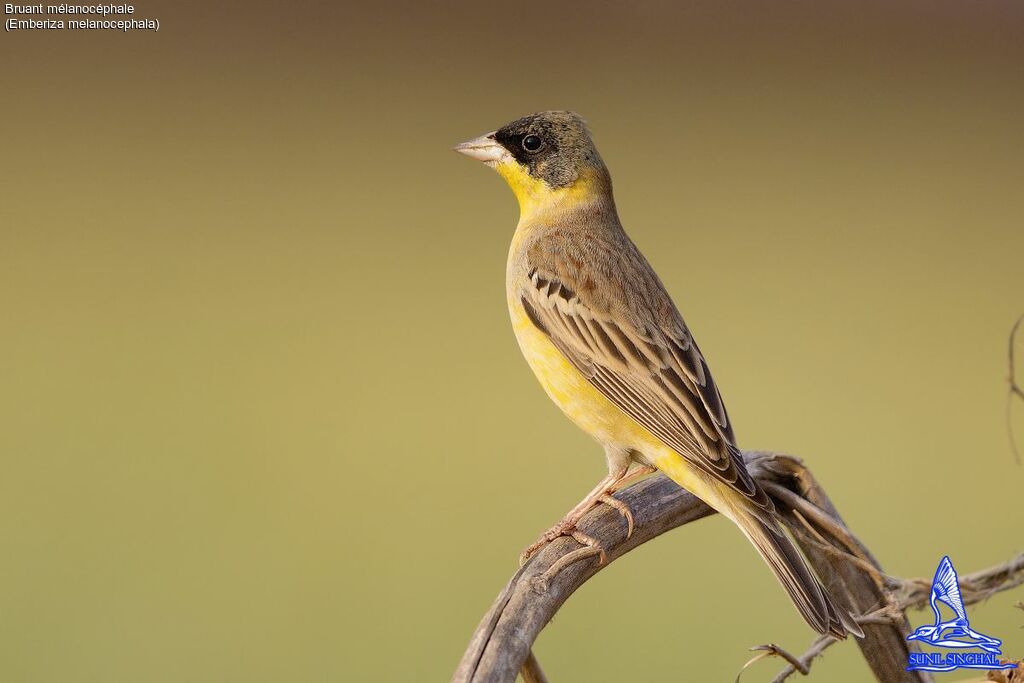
975 587
772 650
750 662
982 585
1014 389
803 665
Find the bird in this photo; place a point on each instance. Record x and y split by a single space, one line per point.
956 632
608 345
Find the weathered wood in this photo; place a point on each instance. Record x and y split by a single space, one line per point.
884 646
502 641
531 671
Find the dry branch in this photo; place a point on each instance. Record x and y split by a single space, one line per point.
500 647
1015 390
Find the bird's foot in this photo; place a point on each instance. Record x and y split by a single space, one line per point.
567 527
563 528
591 547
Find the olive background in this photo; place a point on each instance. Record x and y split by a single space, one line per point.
263 415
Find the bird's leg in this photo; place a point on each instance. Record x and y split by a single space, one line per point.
567 525
633 477
608 499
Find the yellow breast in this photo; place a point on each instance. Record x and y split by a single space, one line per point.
570 390
596 415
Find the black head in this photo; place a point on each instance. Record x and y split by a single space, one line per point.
553 146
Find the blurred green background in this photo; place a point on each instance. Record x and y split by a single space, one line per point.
263 415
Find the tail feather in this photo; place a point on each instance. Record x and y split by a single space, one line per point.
811 599
762 528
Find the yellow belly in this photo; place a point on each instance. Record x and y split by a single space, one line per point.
574 394
598 416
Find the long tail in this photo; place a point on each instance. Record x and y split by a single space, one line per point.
812 600
814 603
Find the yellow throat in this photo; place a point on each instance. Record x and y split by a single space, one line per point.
536 197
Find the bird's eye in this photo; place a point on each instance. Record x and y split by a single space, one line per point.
531 143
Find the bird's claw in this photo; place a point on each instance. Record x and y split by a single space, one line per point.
623 509
590 547
567 527
589 543
563 528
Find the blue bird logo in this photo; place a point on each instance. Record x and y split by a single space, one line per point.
955 633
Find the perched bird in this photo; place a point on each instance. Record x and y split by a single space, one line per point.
610 348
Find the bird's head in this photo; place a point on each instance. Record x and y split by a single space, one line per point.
546 158
925 633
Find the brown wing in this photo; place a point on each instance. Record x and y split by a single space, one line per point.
633 346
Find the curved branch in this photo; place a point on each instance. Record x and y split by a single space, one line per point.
502 641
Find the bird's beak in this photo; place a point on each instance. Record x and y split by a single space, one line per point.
484 148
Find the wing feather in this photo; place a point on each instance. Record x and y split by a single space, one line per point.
653 373
946 587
